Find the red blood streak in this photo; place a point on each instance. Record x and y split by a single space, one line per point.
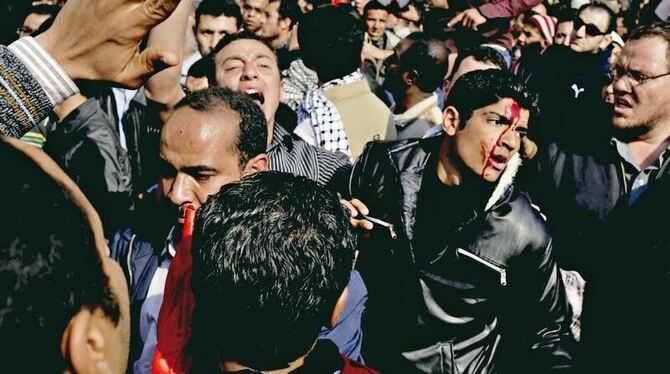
512 113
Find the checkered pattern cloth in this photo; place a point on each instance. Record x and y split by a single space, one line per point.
324 118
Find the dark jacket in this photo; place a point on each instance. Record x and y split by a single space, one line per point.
569 85
622 251
86 145
491 301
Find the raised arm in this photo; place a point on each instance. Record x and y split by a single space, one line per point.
90 39
163 88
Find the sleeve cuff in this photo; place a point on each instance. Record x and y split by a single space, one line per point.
51 76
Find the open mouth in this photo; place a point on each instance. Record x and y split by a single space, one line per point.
498 162
621 103
256 96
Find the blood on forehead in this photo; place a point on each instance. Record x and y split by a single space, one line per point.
513 112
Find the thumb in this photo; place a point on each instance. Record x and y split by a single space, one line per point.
144 64
456 19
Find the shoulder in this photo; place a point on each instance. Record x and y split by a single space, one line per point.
523 222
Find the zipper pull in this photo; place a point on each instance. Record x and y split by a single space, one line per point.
503 277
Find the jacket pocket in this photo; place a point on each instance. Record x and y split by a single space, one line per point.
435 359
497 268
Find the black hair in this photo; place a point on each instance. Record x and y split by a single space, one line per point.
200 68
241 35
656 29
253 133
289 9
331 41
480 88
49 267
481 54
218 8
611 22
562 11
424 58
373 5
272 254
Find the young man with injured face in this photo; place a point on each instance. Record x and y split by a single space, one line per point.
468 280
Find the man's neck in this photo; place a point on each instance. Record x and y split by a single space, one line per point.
447 168
647 147
271 128
412 97
281 40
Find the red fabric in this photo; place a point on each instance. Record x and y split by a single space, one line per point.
174 318
353 367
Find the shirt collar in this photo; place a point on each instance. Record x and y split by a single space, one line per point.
623 151
426 108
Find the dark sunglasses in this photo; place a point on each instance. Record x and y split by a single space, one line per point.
591 29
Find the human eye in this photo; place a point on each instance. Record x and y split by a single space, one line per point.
496 121
637 76
521 131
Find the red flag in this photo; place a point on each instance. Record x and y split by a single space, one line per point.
174 318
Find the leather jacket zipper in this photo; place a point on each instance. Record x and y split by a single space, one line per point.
501 270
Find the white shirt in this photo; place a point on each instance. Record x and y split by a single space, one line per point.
152 306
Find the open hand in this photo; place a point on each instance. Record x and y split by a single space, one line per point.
100 39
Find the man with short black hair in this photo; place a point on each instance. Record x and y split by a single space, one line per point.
253 13
272 256
214 19
280 18
570 80
468 280
419 73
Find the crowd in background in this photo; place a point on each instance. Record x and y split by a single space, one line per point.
313 186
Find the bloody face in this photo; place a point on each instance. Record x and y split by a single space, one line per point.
490 137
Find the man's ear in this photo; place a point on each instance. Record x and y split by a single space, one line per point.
451 121
285 23
339 307
410 77
256 164
83 343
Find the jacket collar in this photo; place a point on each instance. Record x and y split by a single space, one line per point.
410 160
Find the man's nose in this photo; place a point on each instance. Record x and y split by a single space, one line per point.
510 139
250 72
181 192
581 32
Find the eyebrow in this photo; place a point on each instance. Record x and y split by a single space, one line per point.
197 169
254 57
502 116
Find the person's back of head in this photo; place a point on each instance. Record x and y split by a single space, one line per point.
331 41
50 271
272 254
427 62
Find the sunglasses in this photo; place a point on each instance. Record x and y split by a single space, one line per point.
591 29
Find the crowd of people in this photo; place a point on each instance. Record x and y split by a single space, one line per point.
312 186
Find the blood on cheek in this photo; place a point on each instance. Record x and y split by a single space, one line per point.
512 114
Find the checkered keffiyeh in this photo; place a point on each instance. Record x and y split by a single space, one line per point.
324 118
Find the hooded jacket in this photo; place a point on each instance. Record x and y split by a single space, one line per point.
491 301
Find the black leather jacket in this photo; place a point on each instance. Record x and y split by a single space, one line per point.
491 301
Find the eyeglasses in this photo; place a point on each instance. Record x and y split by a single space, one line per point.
591 29
634 78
